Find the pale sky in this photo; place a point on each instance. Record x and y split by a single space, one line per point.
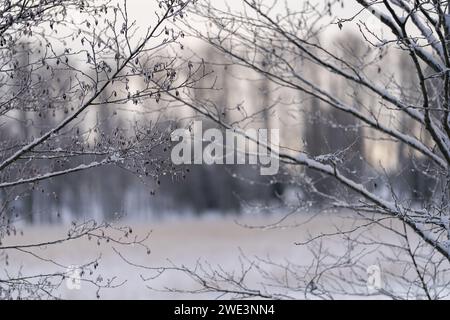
143 11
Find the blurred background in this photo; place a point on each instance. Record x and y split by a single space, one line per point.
304 124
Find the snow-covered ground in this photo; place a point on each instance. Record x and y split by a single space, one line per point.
182 240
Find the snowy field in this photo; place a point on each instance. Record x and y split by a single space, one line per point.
218 240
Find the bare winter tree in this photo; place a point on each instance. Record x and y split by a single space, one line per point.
59 60
389 218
